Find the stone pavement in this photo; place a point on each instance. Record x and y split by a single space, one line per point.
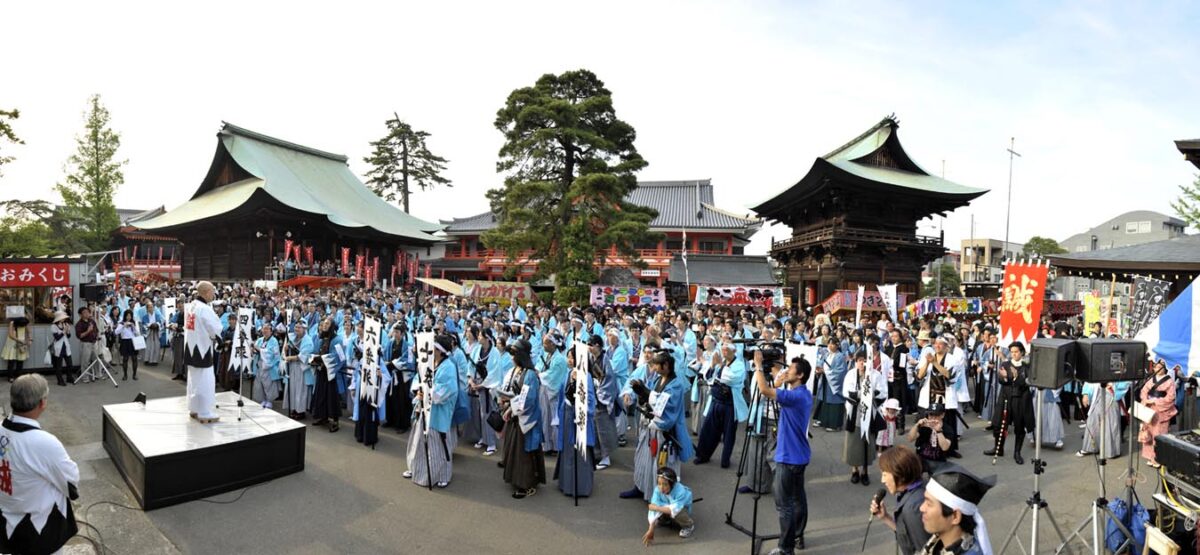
350 499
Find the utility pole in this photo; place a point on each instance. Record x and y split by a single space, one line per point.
1012 141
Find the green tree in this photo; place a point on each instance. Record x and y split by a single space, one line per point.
93 178
570 165
1041 247
1187 206
23 231
401 159
950 284
7 134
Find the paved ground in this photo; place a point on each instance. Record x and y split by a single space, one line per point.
350 499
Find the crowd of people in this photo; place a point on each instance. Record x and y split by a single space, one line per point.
676 383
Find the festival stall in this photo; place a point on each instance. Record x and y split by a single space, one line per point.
34 287
502 293
612 295
443 285
739 295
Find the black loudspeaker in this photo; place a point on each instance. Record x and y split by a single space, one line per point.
92 292
1110 360
1051 362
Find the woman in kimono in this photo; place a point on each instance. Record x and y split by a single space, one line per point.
552 373
266 366
1101 400
1158 394
831 374
431 445
327 364
663 438
865 389
524 464
296 353
368 413
574 471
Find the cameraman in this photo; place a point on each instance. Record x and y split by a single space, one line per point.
792 452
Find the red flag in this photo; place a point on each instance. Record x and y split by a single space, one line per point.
160 253
359 262
287 249
297 251
1021 308
345 261
308 253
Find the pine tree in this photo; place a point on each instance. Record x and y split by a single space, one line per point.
7 134
570 165
93 178
401 159
1187 206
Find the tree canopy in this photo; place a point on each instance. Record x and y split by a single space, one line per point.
401 159
8 135
951 283
570 164
1041 247
94 174
1187 206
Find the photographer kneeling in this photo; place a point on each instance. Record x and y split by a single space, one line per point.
792 452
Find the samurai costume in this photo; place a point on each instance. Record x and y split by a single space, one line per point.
864 395
153 323
327 364
663 439
1101 401
476 430
397 357
552 372
723 410
299 375
435 437
1052 421
959 490
266 371
201 328
607 407
574 470
1014 415
369 412
35 509
831 409
177 368
524 462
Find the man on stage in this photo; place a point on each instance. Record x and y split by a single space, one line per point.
201 326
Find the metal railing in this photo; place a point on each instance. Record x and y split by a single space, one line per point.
843 233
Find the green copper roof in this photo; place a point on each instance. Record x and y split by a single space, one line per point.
299 177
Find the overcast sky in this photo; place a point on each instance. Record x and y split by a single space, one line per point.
744 93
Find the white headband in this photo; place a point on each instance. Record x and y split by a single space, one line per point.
965 507
439 347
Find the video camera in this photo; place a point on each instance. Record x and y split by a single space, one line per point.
773 352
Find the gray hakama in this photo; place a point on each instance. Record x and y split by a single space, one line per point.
441 446
645 464
857 450
549 406
476 428
265 389
1052 424
153 352
564 469
1104 402
990 391
295 395
606 432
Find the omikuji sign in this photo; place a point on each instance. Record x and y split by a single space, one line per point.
34 274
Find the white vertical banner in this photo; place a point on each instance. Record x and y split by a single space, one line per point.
862 290
888 292
242 344
425 370
582 379
169 308
368 380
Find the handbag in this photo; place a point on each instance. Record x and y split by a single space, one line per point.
495 420
46 360
139 343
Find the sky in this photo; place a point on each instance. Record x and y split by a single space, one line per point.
745 93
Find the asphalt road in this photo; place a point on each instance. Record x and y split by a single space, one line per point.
350 499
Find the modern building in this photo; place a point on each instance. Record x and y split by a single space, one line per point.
1139 227
854 218
687 217
263 193
983 259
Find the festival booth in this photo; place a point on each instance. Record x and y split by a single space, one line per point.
845 301
443 285
952 305
739 295
636 297
34 287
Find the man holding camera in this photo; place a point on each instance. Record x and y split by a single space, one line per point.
792 453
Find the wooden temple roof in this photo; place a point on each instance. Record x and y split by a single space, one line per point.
1190 149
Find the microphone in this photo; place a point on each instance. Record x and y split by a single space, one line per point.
879 495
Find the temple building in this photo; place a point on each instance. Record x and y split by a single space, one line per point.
713 238
263 194
854 218
1190 149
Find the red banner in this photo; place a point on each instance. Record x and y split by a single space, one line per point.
1021 308
296 249
287 250
345 261
308 253
21 274
359 262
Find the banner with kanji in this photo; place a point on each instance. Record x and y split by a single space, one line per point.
359 262
858 304
287 250
1021 307
888 292
739 295
369 377
425 372
1149 298
345 261
580 402
612 295
308 254
500 292
1091 310
241 352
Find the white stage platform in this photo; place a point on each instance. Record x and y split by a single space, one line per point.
167 457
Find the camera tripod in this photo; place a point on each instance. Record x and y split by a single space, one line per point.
96 371
1035 503
762 408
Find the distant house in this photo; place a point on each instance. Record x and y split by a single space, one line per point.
1138 227
685 208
